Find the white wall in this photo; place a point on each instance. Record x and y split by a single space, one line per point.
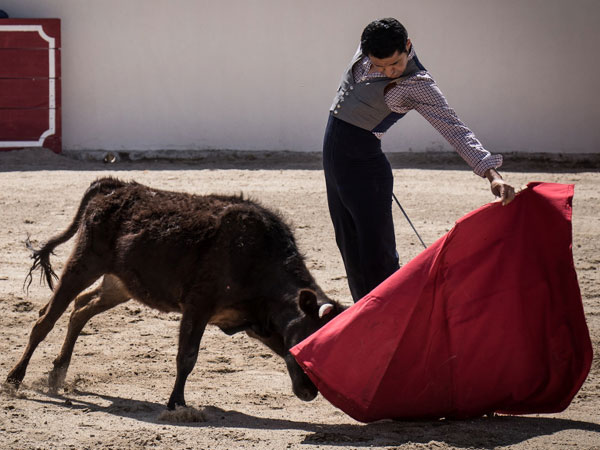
261 74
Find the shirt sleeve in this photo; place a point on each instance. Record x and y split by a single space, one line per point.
422 94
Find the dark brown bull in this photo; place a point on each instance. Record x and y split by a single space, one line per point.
216 259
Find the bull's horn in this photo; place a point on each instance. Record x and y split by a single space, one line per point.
325 309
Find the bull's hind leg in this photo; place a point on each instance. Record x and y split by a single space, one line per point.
76 277
80 301
191 329
109 294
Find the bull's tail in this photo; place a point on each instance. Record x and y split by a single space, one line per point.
41 257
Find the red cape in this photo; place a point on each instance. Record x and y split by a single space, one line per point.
487 319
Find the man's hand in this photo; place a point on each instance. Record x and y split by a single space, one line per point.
499 187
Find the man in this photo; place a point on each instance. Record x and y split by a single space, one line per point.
384 81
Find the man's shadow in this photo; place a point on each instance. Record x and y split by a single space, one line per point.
495 431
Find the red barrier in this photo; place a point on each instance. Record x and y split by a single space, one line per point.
30 88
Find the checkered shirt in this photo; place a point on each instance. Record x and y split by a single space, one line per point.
419 92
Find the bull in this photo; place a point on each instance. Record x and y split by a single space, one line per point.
221 260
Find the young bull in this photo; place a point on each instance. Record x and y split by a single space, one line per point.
216 259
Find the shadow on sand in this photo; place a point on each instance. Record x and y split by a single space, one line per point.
497 431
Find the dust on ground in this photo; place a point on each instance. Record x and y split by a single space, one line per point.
123 366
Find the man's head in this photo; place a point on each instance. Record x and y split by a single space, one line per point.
386 43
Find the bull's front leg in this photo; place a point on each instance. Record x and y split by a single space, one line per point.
193 323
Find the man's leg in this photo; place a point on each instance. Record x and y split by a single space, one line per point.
359 193
346 239
369 202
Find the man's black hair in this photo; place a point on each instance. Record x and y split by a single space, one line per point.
381 38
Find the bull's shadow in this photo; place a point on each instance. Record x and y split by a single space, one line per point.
497 431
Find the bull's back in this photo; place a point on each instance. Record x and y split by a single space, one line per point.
132 209
161 244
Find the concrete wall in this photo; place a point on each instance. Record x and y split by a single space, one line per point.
261 74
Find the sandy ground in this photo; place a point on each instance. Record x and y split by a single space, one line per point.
123 368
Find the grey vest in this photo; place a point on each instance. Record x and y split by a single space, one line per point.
363 104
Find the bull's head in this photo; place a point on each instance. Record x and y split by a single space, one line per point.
310 312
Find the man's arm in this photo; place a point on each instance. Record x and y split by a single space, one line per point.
422 94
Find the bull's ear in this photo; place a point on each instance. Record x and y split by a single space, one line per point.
307 300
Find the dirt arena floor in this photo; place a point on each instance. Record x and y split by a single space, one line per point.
123 366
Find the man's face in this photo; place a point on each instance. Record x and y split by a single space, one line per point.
392 66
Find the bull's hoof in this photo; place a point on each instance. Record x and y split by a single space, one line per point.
15 377
11 384
56 379
188 414
174 404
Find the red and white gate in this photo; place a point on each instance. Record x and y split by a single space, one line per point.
30 108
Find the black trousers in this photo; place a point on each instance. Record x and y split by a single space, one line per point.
359 193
